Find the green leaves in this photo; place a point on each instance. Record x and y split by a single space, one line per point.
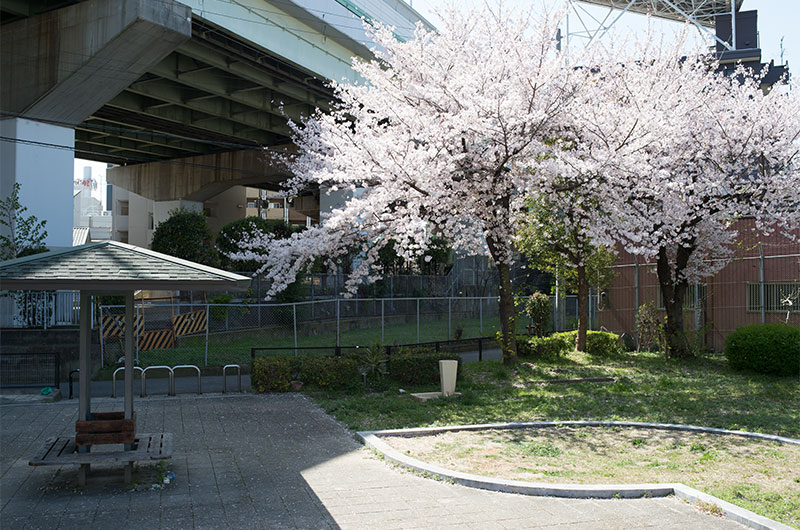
26 233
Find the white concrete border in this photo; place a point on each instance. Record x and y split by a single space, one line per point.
372 439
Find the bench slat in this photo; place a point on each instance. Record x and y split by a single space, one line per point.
65 454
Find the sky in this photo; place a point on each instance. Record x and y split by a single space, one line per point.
776 19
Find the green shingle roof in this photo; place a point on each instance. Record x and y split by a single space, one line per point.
113 266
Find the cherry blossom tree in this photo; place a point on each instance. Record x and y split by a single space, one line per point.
676 153
434 142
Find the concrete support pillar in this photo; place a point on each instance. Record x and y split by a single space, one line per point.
39 156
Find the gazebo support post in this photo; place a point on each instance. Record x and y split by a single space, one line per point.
84 405
130 333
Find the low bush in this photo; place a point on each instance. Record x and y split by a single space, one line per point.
552 345
598 343
602 343
274 374
271 374
419 366
765 348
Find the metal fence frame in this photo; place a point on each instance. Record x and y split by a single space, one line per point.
34 358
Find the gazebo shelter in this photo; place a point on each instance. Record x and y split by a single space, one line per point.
109 268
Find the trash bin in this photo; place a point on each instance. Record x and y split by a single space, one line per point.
447 375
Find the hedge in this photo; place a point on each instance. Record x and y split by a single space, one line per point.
599 343
419 366
550 346
274 374
765 348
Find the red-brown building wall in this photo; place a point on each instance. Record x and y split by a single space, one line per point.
724 306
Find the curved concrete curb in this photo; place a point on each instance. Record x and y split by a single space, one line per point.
372 440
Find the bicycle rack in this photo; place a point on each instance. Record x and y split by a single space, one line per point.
114 379
172 379
225 377
161 367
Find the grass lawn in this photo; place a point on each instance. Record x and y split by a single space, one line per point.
647 388
234 347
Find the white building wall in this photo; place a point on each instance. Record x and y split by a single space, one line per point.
39 157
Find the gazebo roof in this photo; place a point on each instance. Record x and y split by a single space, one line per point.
113 266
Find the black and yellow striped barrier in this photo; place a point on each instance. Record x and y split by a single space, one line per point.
189 323
156 339
113 326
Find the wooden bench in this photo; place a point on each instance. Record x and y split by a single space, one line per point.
63 451
106 428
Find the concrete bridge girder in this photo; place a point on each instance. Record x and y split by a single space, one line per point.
199 178
49 59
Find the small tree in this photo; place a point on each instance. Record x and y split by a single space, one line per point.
539 308
185 234
25 234
555 238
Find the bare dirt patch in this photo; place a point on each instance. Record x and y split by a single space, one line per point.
721 465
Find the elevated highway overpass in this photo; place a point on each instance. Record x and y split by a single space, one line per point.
182 96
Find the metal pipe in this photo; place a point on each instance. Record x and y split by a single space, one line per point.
161 367
114 378
225 377
199 379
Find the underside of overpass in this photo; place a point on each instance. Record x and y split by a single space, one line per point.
186 98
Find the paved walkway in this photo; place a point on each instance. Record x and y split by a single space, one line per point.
274 461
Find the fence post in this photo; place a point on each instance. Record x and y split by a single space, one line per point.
696 312
102 342
136 327
480 313
337 322
208 325
294 319
449 317
480 349
762 286
382 321
417 320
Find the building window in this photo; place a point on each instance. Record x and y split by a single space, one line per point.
276 205
151 222
780 297
123 207
694 299
251 203
122 236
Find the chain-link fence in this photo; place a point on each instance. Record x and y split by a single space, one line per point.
219 334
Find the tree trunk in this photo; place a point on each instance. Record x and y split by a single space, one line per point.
508 339
674 294
583 308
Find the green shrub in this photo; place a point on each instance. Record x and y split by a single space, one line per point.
419 366
271 374
330 373
539 308
552 345
602 343
599 343
524 346
765 348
